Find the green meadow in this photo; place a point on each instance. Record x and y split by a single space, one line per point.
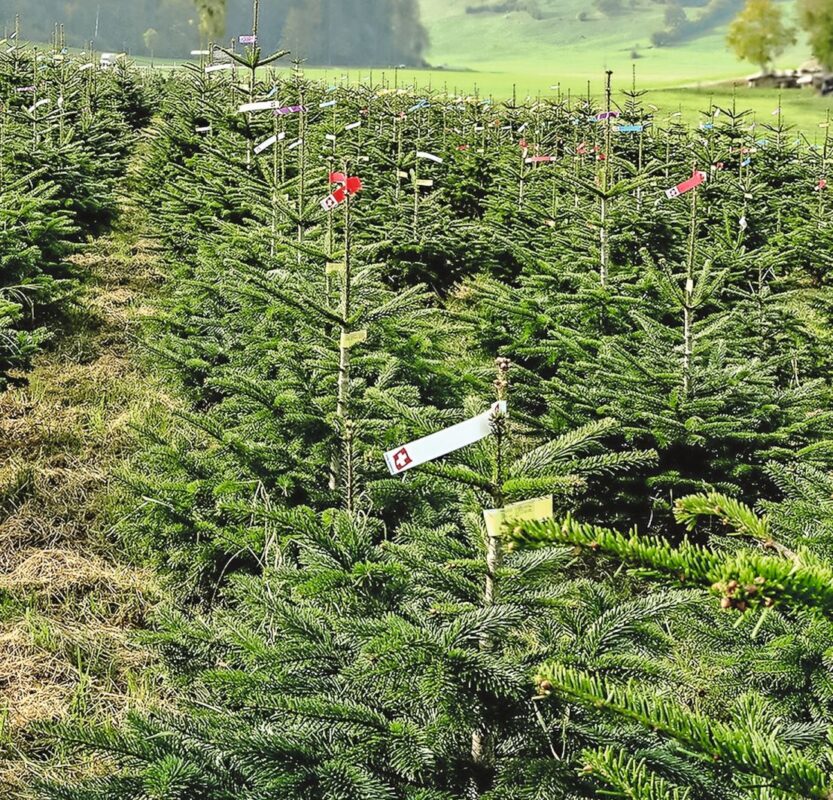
568 50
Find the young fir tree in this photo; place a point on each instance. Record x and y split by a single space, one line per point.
772 737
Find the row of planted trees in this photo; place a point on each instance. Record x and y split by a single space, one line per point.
66 129
341 632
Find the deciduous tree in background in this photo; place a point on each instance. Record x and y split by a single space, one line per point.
150 38
816 18
758 34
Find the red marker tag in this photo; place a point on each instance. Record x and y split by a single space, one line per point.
345 186
681 188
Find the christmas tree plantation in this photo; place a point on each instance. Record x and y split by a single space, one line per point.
637 317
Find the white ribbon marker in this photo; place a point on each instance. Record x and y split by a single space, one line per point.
429 156
218 67
266 143
443 442
263 105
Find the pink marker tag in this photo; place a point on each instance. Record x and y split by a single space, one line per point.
247 39
681 188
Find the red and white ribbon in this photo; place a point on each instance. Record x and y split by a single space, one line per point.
681 188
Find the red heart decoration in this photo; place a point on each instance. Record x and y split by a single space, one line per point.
354 184
338 177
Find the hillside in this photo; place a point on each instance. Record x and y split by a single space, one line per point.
571 37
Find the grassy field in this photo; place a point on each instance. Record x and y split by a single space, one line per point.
501 54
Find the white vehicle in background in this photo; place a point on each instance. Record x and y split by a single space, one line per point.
108 59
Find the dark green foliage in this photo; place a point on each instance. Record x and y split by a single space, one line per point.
342 633
64 143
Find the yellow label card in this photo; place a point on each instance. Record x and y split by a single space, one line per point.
536 509
348 340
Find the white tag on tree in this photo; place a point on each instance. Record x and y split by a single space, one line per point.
330 202
429 156
217 67
263 105
265 144
443 442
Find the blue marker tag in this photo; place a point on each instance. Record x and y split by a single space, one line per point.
746 162
630 129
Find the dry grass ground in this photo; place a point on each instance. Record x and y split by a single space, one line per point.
69 605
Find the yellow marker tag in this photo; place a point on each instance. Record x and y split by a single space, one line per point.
348 340
535 509
334 267
401 174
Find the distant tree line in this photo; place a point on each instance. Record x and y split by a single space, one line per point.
337 32
530 7
679 28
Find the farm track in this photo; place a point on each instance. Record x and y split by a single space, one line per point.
68 598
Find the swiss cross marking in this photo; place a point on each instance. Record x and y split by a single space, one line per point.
329 202
401 459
